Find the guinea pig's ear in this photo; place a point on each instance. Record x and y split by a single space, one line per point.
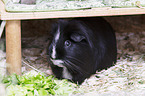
77 37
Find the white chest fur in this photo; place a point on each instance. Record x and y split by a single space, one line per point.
65 72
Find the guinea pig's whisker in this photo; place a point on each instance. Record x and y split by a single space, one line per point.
77 60
75 67
70 67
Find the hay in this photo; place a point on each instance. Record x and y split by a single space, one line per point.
57 5
125 78
2 64
2 72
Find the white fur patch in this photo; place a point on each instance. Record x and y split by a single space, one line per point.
65 73
58 63
53 55
57 35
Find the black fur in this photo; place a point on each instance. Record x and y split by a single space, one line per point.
85 45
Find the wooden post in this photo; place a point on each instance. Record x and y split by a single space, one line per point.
13 46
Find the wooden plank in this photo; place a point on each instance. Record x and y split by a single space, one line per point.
1 8
13 46
67 14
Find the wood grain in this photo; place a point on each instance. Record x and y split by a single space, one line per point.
13 46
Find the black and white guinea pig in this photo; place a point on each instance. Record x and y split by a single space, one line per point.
80 47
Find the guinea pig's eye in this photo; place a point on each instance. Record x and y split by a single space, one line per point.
67 43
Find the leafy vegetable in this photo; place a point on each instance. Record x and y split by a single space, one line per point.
36 84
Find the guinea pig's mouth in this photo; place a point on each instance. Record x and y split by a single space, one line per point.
58 63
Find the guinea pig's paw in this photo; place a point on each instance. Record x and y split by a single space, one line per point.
58 63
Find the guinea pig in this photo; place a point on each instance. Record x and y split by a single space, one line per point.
80 47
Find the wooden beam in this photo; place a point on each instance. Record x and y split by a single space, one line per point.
69 14
106 11
13 46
